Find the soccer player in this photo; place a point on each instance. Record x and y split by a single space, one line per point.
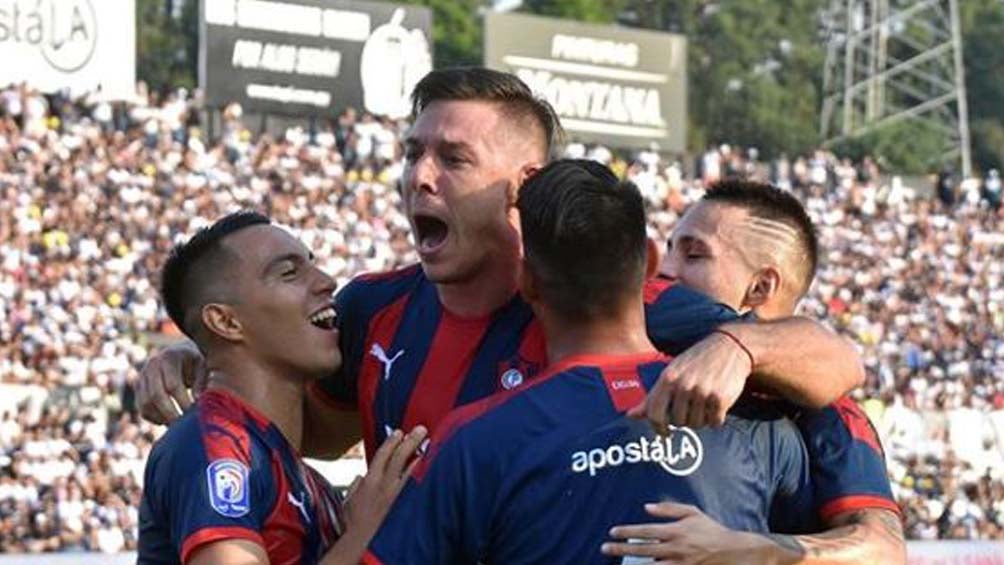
226 484
540 474
422 340
753 247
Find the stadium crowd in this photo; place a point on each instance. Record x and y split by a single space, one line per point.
95 193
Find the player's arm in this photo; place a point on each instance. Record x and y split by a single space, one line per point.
797 357
371 497
230 551
866 536
871 535
801 359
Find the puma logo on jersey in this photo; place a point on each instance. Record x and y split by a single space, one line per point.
377 351
300 504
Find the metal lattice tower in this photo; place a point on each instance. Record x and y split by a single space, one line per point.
892 60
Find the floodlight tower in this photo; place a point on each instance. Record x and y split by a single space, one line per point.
892 60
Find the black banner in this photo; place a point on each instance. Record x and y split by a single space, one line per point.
311 57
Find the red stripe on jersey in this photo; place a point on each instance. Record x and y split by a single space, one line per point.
222 436
624 387
283 531
381 330
834 508
655 287
208 535
858 423
533 348
442 376
370 559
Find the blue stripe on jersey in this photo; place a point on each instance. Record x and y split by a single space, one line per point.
414 337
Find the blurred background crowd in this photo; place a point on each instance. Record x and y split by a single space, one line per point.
94 194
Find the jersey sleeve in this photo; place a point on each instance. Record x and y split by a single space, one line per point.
440 516
341 387
210 493
847 461
678 317
793 504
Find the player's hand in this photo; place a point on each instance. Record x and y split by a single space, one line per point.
370 497
162 390
698 387
692 538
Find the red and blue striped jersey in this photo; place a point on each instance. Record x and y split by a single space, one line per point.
540 474
848 462
409 361
223 471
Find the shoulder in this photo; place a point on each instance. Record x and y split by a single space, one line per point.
389 283
840 422
486 429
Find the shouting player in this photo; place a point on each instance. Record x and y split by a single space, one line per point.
753 247
226 483
541 473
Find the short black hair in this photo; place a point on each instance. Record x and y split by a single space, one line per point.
196 270
584 238
769 202
479 83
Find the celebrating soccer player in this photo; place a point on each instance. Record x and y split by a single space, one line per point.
753 247
226 484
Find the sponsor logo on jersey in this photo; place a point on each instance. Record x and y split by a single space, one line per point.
679 453
228 487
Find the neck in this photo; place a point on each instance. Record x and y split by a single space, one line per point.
482 294
277 397
618 335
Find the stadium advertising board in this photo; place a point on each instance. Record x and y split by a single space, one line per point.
304 57
618 86
79 45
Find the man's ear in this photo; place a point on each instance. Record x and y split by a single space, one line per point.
766 285
653 259
525 172
221 320
528 284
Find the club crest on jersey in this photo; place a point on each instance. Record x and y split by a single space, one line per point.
679 453
228 487
515 371
511 379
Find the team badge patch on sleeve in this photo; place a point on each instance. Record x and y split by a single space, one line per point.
228 487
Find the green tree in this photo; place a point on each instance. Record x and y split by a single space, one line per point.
166 48
457 31
982 31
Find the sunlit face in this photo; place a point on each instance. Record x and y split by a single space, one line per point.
462 164
284 303
702 253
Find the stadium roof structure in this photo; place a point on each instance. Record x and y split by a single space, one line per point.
894 60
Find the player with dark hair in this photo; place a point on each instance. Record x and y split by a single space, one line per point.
753 247
540 474
226 484
422 340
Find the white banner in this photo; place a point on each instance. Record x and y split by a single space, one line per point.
955 553
82 45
